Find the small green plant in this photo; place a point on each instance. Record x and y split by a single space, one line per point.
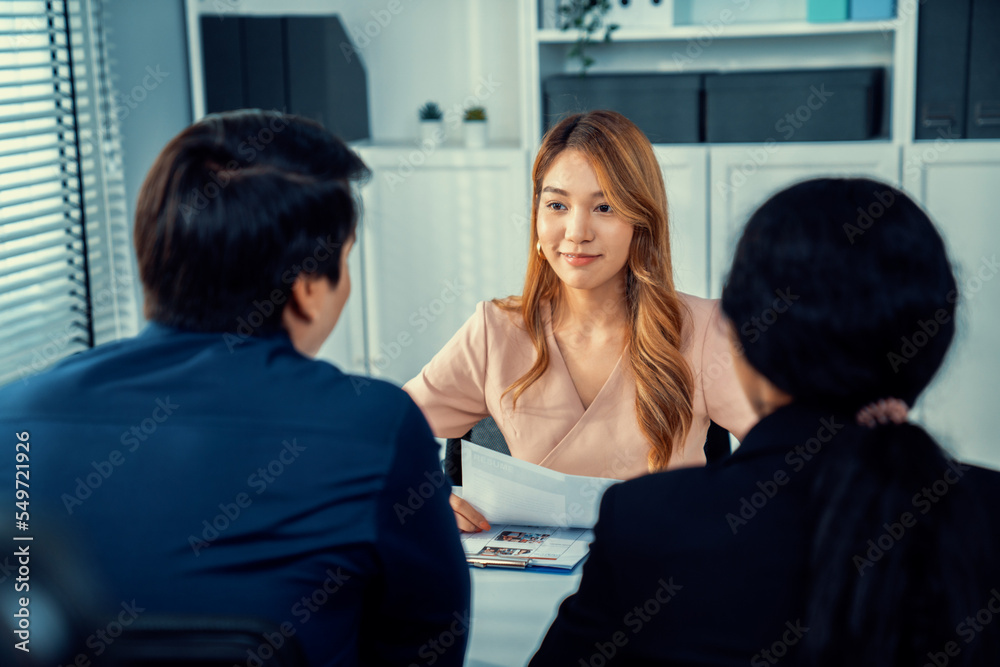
431 111
475 113
587 18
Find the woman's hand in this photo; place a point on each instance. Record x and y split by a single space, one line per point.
468 518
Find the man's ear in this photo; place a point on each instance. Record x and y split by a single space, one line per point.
304 300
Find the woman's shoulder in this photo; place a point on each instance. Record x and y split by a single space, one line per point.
504 313
699 313
698 308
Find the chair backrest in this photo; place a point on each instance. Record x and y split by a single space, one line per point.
63 604
717 445
485 433
69 599
204 641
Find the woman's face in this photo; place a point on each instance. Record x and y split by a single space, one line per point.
583 239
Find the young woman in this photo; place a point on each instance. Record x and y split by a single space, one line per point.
838 533
600 367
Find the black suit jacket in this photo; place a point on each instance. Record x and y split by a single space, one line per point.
707 566
211 477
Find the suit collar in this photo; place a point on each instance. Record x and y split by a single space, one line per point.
792 426
158 330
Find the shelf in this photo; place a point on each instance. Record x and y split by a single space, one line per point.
417 145
731 31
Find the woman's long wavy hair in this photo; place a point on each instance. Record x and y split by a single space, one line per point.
630 179
862 293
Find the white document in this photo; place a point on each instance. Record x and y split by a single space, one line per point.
507 490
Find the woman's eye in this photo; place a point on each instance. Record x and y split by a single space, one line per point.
604 208
555 206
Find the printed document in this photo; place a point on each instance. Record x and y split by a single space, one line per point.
535 513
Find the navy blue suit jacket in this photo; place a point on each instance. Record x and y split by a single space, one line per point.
248 479
708 566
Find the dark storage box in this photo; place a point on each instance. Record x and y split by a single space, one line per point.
301 64
983 107
800 105
942 69
666 107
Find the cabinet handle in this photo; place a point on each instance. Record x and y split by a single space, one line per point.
987 113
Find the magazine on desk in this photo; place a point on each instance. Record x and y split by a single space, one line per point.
538 517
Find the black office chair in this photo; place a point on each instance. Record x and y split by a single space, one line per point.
64 598
717 445
69 599
204 641
487 434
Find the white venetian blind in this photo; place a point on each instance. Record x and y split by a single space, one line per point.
65 269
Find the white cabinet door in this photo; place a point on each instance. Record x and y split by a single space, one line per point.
685 174
442 230
959 185
744 176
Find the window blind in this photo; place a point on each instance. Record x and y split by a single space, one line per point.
65 265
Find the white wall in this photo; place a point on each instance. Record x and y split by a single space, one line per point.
149 60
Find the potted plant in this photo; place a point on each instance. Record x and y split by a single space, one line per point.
431 125
474 127
588 18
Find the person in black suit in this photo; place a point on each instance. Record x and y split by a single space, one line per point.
210 464
839 533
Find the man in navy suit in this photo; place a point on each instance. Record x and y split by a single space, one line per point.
209 464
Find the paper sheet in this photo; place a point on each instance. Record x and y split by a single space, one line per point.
507 490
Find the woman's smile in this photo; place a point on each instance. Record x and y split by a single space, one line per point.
578 259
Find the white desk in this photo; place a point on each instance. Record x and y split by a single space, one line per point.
511 611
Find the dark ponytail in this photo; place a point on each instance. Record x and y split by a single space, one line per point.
894 563
894 555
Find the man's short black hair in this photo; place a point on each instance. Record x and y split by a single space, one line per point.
233 210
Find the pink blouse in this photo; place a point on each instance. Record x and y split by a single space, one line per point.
464 383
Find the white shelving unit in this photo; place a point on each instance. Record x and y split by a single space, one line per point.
731 31
727 46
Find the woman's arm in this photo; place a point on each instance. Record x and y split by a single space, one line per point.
451 388
725 402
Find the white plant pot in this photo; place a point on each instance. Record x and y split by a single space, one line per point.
431 131
474 132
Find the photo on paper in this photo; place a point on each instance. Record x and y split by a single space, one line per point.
542 545
522 537
503 551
